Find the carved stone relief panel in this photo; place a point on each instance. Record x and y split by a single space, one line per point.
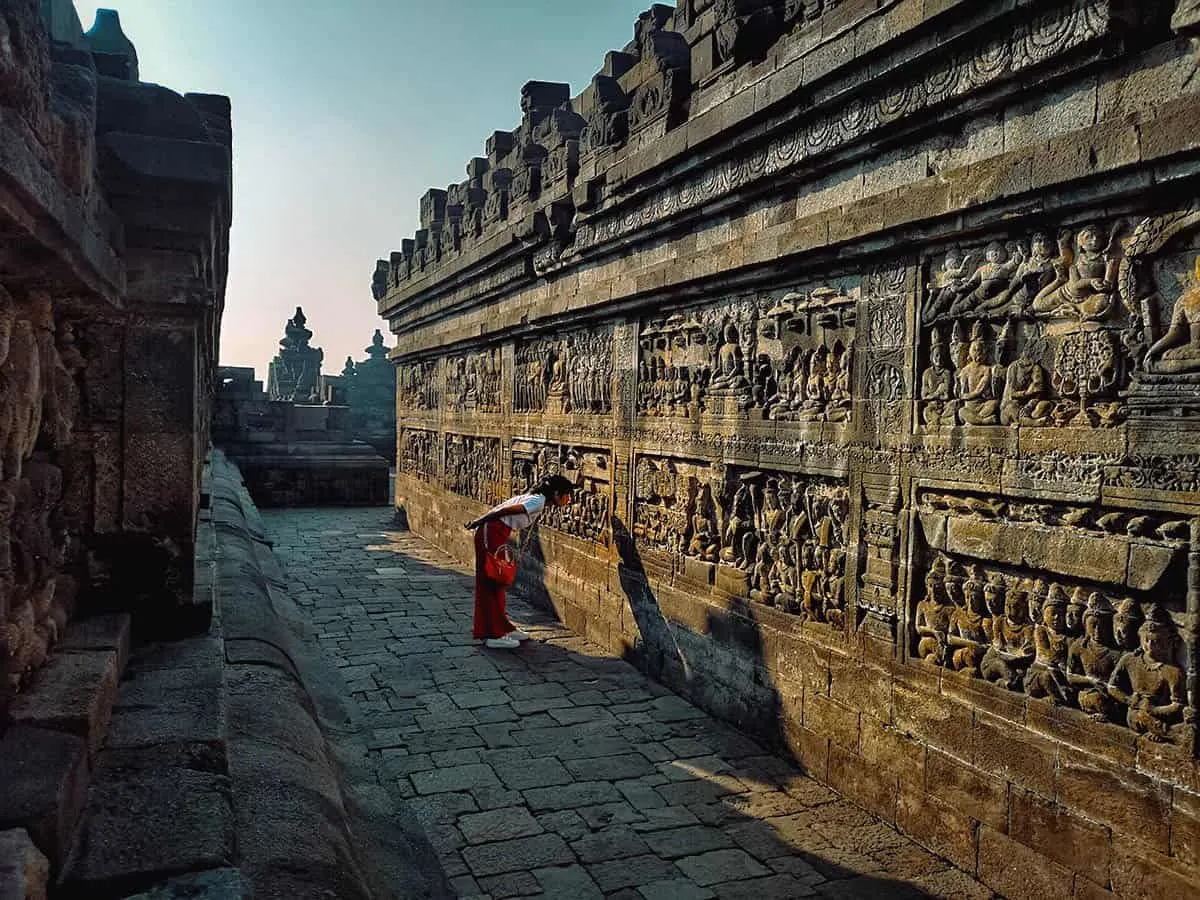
40 366
473 467
572 374
1080 605
420 453
417 385
775 538
884 315
784 356
1029 332
590 470
473 382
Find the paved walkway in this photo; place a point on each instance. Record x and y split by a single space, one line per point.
556 771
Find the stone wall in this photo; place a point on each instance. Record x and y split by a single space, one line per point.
114 218
870 334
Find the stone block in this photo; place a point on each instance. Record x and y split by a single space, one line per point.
942 723
142 825
1059 834
515 855
939 826
73 692
1139 873
872 787
100 633
1018 871
1134 806
24 871
839 723
1012 753
43 785
717 866
967 789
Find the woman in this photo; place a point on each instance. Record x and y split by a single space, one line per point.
492 530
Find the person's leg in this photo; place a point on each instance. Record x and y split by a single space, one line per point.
490 619
483 591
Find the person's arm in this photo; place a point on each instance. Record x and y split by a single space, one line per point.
514 509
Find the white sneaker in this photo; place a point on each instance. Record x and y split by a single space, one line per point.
518 635
504 643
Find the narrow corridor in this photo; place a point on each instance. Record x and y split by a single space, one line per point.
558 771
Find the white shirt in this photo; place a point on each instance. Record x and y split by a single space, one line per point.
535 505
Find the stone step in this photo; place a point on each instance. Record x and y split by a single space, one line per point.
57 725
43 784
159 802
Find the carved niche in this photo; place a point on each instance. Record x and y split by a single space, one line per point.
417 385
785 357
608 125
1027 333
1160 282
420 453
745 29
772 537
473 382
572 374
589 469
1079 605
473 467
662 97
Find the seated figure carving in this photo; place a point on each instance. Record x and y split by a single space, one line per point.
1047 675
933 614
1178 351
977 385
729 373
937 387
1091 659
1023 401
968 623
1012 648
1148 683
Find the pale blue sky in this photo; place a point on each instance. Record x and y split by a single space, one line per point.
344 113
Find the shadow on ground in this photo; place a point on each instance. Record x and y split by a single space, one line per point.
561 758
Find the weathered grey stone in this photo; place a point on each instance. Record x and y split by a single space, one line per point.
457 778
568 881
140 824
721 865
516 855
73 692
43 776
110 632
498 825
571 796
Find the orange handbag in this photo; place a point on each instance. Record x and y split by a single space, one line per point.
500 565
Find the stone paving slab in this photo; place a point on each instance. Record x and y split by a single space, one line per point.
556 771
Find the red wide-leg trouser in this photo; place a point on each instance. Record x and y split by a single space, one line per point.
491 617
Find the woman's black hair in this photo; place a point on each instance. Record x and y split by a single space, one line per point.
554 486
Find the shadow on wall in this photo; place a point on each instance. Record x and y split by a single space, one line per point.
723 666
